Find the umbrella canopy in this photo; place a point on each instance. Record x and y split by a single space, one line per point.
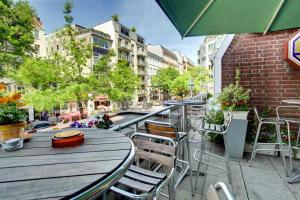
211 17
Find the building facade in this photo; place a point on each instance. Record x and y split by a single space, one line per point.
39 38
101 44
130 46
208 50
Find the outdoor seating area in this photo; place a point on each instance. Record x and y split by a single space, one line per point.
93 107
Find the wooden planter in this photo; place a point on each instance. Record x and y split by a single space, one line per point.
11 131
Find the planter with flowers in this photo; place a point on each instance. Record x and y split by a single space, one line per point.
12 120
234 99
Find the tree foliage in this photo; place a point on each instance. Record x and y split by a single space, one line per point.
60 77
164 78
124 82
16 33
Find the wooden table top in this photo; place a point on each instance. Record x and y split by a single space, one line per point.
291 101
40 171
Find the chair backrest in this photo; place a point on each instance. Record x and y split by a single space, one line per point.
162 129
155 148
256 114
288 112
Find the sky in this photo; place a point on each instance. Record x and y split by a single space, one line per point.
144 15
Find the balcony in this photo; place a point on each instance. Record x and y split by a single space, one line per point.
142 63
125 47
141 53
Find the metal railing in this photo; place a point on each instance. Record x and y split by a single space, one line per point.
176 114
139 119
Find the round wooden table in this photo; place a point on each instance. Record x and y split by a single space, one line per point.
82 172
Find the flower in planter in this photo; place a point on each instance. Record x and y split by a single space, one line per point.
234 97
10 112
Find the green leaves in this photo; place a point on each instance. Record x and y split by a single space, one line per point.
124 82
16 33
11 114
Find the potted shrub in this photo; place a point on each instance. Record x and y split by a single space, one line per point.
12 120
234 99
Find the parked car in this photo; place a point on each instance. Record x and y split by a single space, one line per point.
38 125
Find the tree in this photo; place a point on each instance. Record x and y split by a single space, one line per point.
133 29
124 83
60 75
16 33
115 17
163 79
200 77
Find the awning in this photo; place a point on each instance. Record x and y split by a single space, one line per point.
212 17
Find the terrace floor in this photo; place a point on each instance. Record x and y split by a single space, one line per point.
265 180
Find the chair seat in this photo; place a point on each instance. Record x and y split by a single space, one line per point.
271 120
292 120
141 179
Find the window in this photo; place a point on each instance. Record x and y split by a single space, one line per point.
140 40
100 42
36 33
57 47
124 31
37 48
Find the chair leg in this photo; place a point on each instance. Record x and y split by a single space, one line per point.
202 147
190 165
290 147
298 136
171 188
255 144
281 148
227 160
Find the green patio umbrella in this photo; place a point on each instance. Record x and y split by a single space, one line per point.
211 17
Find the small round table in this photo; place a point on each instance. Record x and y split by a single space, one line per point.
82 172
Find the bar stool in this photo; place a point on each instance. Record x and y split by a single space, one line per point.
273 121
205 130
181 139
290 115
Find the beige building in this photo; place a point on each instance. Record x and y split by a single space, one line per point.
130 46
101 44
39 39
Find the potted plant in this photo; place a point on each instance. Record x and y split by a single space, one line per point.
234 99
12 120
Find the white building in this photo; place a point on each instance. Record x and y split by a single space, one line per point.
101 44
208 50
130 46
39 38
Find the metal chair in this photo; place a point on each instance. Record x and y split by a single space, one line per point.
147 184
212 193
264 121
182 140
204 130
289 115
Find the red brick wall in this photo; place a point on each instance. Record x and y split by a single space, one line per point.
263 70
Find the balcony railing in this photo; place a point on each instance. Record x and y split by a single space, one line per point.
143 63
141 53
124 46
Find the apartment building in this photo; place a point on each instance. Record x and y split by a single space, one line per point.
184 63
154 63
39 38
208 49
130 46
101 44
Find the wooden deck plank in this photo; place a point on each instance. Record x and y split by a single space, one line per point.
45 188
62 158
87 141
82 148
57 170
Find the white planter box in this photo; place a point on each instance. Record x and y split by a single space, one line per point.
238 114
